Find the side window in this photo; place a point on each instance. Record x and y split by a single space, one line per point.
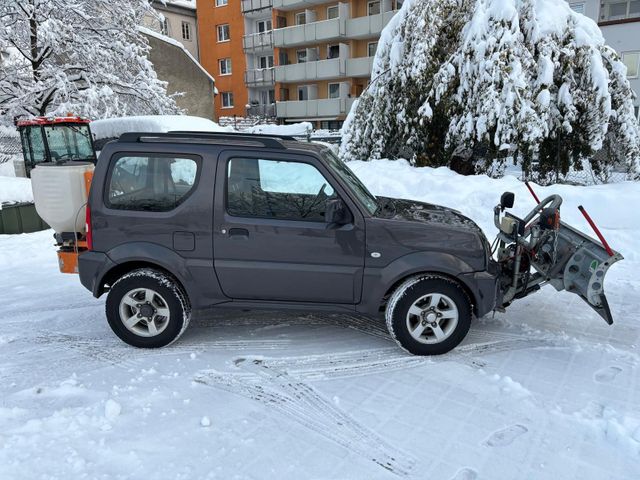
276 189
152 184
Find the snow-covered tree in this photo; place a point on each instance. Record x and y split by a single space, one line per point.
80 56
496 79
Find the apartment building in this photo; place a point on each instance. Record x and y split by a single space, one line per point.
221 27
291 60
177 20
619 21
324 55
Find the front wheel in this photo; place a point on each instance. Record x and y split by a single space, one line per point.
429 315
147 308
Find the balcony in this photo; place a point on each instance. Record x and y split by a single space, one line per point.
262 77
296 4
359 67
258 42
319 108
249 6
319 70
368 26
262 110
314 32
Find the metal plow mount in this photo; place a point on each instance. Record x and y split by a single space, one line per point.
581 267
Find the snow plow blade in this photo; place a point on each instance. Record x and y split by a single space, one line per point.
582 263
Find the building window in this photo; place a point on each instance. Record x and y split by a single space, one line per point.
301 18
263 26
371 49
637 110
577 7
225 66
223 33
619 9
303 93
221 3
373 8
302 56
632 62
333 51
227 99
333 12
164 26
186 31
265 62
334 90
331 124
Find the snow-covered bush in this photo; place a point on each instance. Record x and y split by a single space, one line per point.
80 56
497 80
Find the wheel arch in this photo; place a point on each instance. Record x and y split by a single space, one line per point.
380 283
121 269
457 280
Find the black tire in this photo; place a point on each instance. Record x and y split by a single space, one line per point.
168 295
412 290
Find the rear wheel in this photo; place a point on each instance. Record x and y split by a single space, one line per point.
147 308
429 315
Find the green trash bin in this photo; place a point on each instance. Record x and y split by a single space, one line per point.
20 218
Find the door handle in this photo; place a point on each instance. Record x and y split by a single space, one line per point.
239 232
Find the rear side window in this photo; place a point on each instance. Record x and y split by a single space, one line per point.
151 183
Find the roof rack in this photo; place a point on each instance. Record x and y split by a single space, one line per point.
209 138
238 134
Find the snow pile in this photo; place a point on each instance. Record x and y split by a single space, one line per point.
298 129
114 127
14 189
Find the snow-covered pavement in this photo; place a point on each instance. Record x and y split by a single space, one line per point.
544 391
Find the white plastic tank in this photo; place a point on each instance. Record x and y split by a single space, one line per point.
60 194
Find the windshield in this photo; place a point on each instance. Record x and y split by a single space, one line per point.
365 196
69 142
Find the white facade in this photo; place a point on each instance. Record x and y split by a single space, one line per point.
619 21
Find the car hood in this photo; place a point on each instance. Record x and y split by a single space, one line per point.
412 211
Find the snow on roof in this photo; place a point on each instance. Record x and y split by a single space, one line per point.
191 4
114 127
173 41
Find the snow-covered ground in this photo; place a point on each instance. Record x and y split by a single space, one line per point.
544 391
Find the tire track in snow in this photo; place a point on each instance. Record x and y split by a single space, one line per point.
115 353
303 404
382 360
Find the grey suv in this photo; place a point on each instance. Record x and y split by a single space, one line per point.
185 221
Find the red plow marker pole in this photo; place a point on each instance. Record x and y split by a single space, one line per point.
595 229
535 197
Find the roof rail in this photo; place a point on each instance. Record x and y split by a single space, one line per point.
238 134
209 138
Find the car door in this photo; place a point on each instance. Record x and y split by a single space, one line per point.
270 238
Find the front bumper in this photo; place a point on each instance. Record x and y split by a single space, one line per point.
485 289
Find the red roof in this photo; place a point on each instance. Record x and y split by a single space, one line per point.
51 121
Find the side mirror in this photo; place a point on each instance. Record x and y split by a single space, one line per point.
507 200
336 212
